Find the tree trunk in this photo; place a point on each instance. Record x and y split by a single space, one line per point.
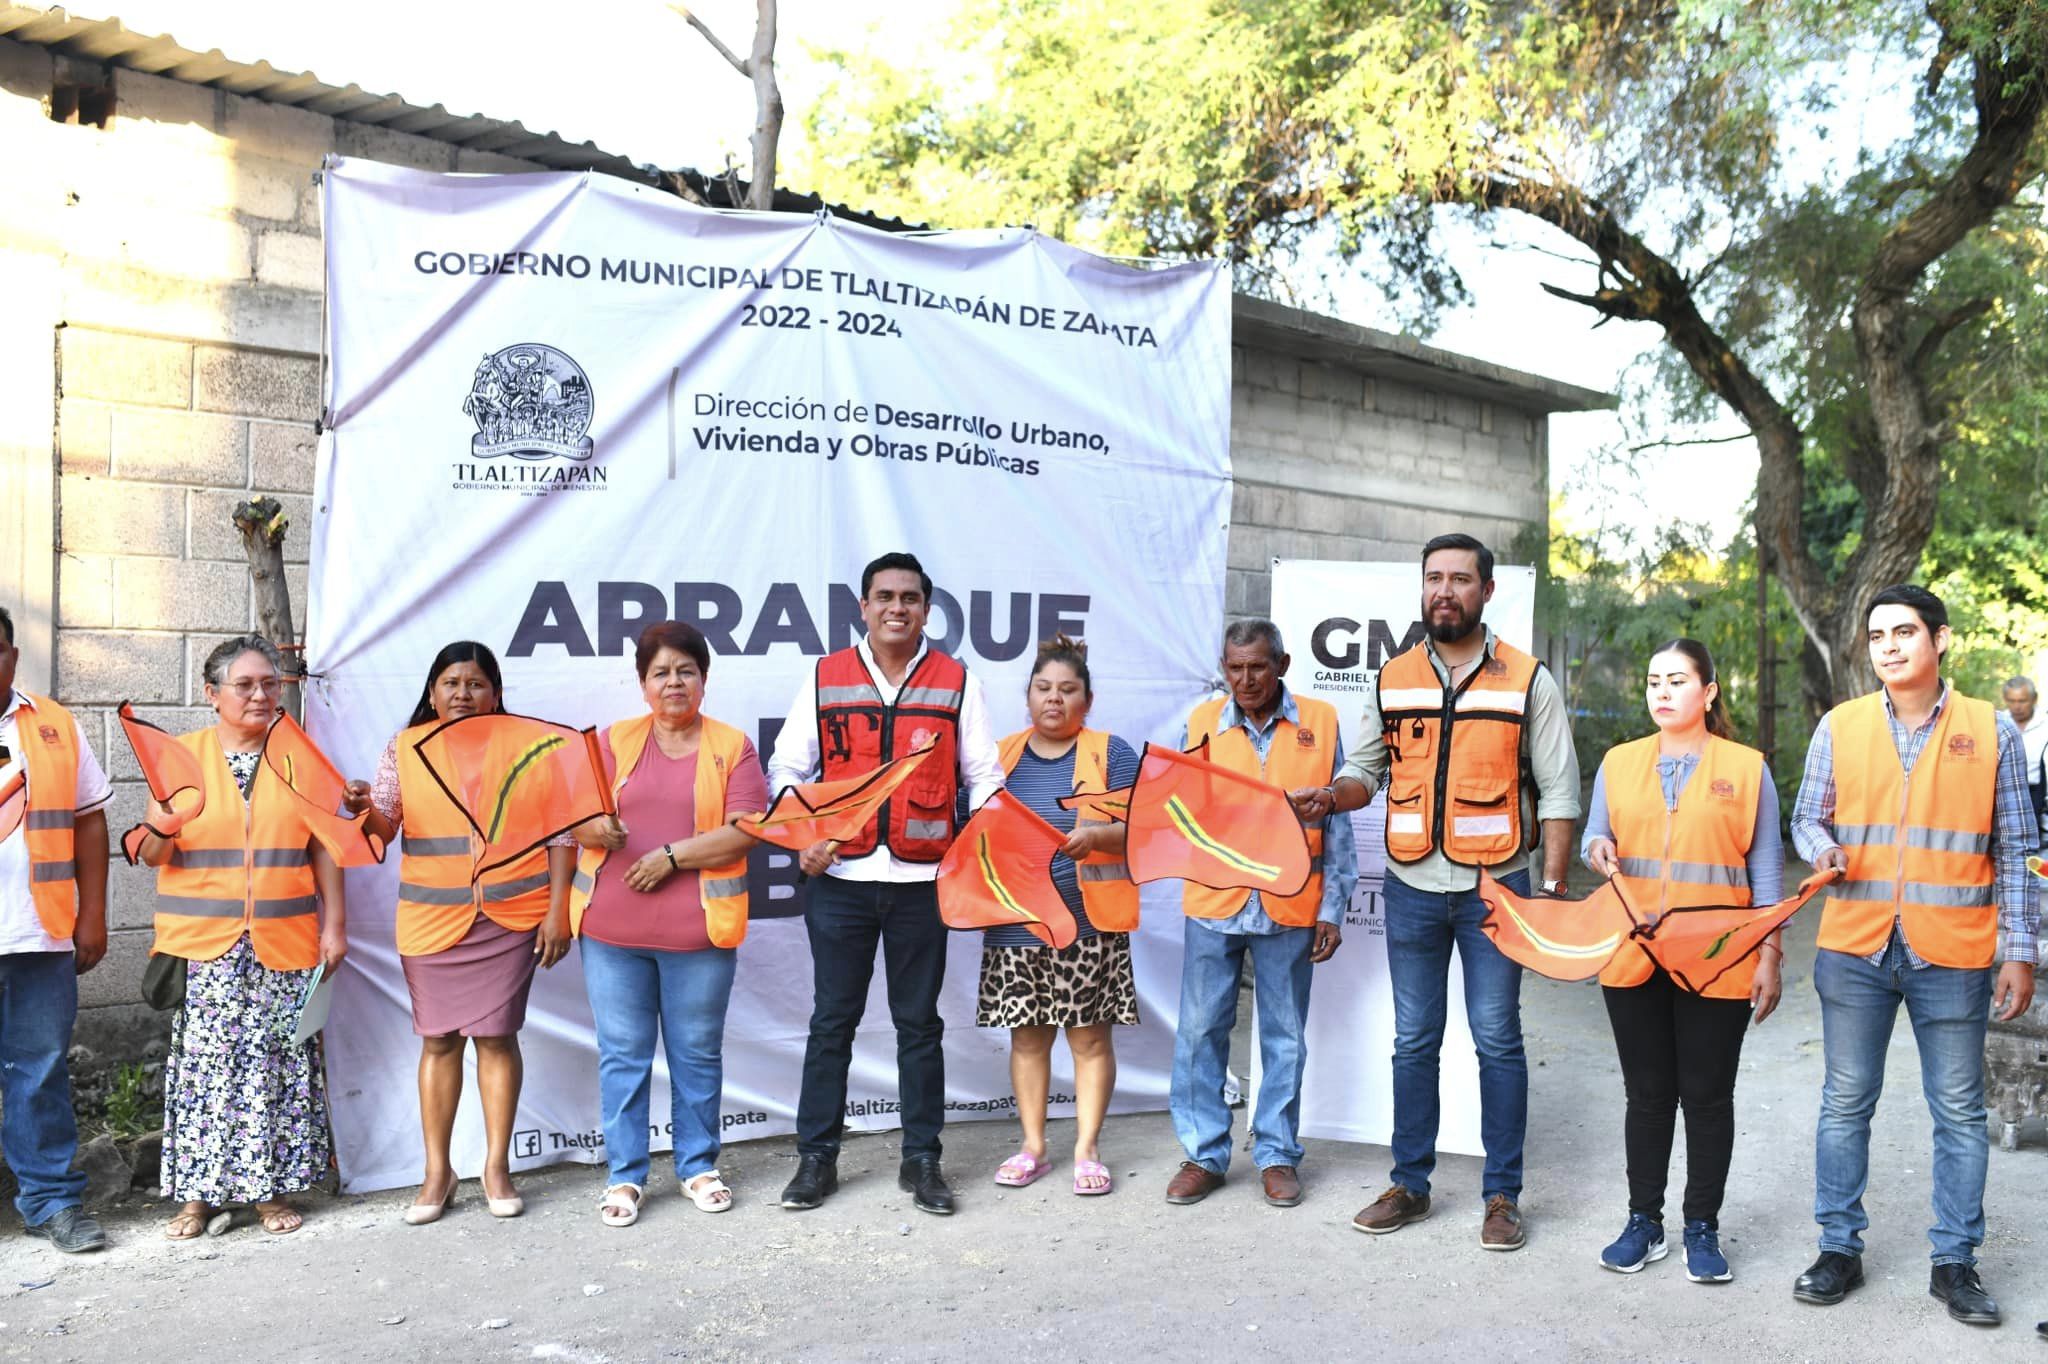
262 524
767 108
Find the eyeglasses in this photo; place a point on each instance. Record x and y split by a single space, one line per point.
246 688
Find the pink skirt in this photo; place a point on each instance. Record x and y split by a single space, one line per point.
478 987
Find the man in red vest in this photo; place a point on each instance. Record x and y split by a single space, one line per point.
53 929
888 695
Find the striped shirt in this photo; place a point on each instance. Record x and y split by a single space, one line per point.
2013 835
1040 783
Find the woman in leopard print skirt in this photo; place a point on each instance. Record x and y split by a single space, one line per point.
1035 990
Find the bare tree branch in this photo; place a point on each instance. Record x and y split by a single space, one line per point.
739 63
1700 440
1944 326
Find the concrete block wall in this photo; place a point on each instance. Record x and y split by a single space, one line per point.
159 363
1332 463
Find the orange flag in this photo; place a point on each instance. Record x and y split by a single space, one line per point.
297 761
519 781
819 810
999 871
1562 939
1192 820
13 804
1101 806
1697 946
172 774
2038 867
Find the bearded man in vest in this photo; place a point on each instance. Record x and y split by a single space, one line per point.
1263 730
53 929
888 695
1470 737
1917 795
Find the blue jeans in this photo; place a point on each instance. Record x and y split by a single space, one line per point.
632 990
1422 926
38 1132
1211 965
1950 1010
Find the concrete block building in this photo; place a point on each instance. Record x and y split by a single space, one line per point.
161 266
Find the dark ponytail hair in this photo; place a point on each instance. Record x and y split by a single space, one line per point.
1072 652
1703 667
461 651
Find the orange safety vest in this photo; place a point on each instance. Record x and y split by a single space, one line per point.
723 888
1919 845
239 868
1300 755
1457 756
49 752
1108 894
1697 854
437 902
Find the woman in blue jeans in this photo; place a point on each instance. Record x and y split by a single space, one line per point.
659 904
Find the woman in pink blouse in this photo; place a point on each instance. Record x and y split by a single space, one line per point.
660 904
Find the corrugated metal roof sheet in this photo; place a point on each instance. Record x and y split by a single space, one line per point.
107 41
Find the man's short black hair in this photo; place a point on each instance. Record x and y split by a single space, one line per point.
898 559
1933 614
7 626
1459 540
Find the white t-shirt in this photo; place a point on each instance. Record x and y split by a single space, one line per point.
2035 736
21 929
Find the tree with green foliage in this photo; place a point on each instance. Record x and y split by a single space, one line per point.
1864 313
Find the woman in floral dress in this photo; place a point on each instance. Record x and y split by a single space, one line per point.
245 1108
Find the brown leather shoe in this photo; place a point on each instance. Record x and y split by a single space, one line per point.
1283 1185
1192 1183
1391 1211
1502 1229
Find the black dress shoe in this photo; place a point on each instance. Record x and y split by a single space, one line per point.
1963 1291
817 1178
71 1231
1828 1280
927 1186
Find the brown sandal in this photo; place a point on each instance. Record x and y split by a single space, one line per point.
280 1218
186 1225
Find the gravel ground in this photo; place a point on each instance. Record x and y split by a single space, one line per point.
869 1278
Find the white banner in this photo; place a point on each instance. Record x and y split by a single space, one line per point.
564 406
1342 622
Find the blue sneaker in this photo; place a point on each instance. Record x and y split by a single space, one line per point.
1704 1262
1640 1242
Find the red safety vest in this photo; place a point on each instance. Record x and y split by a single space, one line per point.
857 734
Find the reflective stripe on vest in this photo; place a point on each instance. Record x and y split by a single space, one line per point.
436 901
1692 856
239 866
1919 845
1108 896
49 752
1299 755
722 889
1455 780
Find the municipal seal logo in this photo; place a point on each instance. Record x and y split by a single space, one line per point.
530 401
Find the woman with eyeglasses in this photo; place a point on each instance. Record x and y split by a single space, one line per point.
253 904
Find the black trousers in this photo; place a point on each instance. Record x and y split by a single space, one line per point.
1677 1049
847 920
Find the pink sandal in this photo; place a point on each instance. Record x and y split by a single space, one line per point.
1091 1169
1020 1170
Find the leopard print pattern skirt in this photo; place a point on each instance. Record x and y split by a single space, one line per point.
1074 987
